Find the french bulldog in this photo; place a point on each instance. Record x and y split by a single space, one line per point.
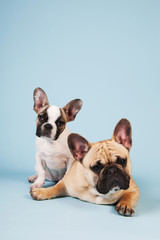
53 157
101 174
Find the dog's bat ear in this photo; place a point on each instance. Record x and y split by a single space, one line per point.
40 99
123 133
72 108
78 146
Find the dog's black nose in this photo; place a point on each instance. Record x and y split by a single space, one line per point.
111 171
48 126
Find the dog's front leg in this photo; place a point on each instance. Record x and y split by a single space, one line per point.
128 201
58 190
40 173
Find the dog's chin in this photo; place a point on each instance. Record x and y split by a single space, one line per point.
46 137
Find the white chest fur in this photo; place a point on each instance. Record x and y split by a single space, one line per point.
109 198
54 155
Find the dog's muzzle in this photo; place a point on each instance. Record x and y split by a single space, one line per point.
112 177
44 131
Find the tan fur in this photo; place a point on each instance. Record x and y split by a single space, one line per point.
46 193
80 181
99 164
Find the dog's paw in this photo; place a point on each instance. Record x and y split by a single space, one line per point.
123 208
32 179
36 185
39 194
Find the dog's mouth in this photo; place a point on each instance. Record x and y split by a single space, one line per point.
44 134
108 183
105 186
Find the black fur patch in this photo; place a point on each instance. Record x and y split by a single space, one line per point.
42 118
97 168
110 177
60 123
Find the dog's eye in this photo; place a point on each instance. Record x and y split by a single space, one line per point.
42 117
97 168
59 123
122 161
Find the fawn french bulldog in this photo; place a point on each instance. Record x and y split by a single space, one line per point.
53 157
101 174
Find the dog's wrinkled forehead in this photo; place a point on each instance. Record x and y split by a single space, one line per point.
106 151
101 150
116 149
98 151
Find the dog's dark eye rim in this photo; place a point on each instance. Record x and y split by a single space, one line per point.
41 117
97 168
121 161
60 122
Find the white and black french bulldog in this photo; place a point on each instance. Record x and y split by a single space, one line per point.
53 157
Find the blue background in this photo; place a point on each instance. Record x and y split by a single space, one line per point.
107 54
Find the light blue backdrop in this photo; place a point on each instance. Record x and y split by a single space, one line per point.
106 53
